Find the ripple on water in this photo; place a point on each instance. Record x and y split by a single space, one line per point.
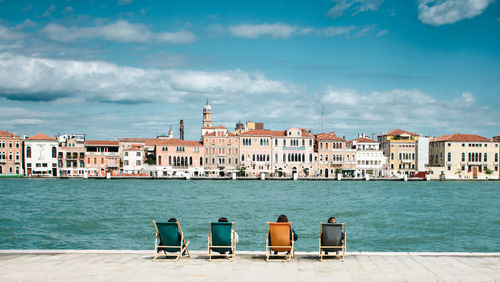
380 216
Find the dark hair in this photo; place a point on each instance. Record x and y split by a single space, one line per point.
282 218
331 219
173 219
223 219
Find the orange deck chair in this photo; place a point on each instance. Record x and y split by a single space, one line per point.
279 239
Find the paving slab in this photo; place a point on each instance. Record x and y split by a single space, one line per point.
123 265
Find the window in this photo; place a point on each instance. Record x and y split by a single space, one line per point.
485 157
392 156
463 157
28 152
242 157
138 162
54 152
10 144
449 155
496 157
126 154
125 162
138 154
17 146
82 164
449 167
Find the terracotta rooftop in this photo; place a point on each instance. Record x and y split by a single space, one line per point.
396 132
4 133
215 127
174 141
462 138
260 132
328 136
142 140
40 136
101 143
364 140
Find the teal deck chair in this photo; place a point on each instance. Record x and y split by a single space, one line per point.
167 240
221 239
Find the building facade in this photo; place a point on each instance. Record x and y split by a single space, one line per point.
370 159
71 155
10 153
400 148
133 159
220 147
40 155
175 157
102 157
293 153
463 156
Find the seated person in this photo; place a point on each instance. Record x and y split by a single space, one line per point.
283 218
235 235
334 220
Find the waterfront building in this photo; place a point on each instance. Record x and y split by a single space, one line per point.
463 156
256 151
10 153
400 148
71 154
422 153
102 157
370 159
330 155
40 155
220 147
175 157
133 159
292 153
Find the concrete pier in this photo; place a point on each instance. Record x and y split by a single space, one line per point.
85 265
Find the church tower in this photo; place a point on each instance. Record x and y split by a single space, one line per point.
207 115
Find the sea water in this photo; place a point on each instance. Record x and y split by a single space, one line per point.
380 216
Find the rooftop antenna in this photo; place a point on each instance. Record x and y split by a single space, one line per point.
322 116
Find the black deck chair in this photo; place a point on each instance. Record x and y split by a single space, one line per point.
330 240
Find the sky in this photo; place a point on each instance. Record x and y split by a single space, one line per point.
128 68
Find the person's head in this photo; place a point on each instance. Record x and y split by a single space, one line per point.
332 220
282 218
173 219
223 219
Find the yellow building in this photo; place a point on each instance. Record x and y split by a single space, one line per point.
463 156
400 148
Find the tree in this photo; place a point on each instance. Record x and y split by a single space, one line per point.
240 171
338 171
488 171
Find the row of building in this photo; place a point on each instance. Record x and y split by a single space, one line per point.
251 150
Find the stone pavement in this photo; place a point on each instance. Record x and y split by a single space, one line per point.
70 265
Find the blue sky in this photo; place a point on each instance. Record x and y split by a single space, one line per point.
134 68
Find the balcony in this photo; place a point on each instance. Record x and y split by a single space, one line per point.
337 162
294 148
407 161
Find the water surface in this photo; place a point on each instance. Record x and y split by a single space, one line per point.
380 216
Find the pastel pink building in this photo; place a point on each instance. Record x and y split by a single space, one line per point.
10 153
175 157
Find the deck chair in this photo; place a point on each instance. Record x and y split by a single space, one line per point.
330 240
167 240
279 238
221 239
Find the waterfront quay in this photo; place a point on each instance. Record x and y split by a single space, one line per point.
124 265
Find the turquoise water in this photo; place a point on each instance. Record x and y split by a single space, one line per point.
380 216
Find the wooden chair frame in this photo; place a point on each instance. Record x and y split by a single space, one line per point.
343 247
286 257
183 246
232 247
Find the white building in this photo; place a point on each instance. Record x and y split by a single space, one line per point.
422 153
370 158
133 160
40 155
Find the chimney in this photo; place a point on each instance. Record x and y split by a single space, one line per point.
373 136
182 130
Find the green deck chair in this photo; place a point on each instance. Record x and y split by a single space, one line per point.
167 240
221 239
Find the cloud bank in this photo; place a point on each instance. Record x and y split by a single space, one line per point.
440 12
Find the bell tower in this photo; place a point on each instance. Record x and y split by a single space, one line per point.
207 115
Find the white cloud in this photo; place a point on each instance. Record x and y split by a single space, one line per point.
468 97
9 34
410 109
49 11
176 37
68 10
382 32
439 12
41 79
336 30
120 31
357 5
252 31
280 30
